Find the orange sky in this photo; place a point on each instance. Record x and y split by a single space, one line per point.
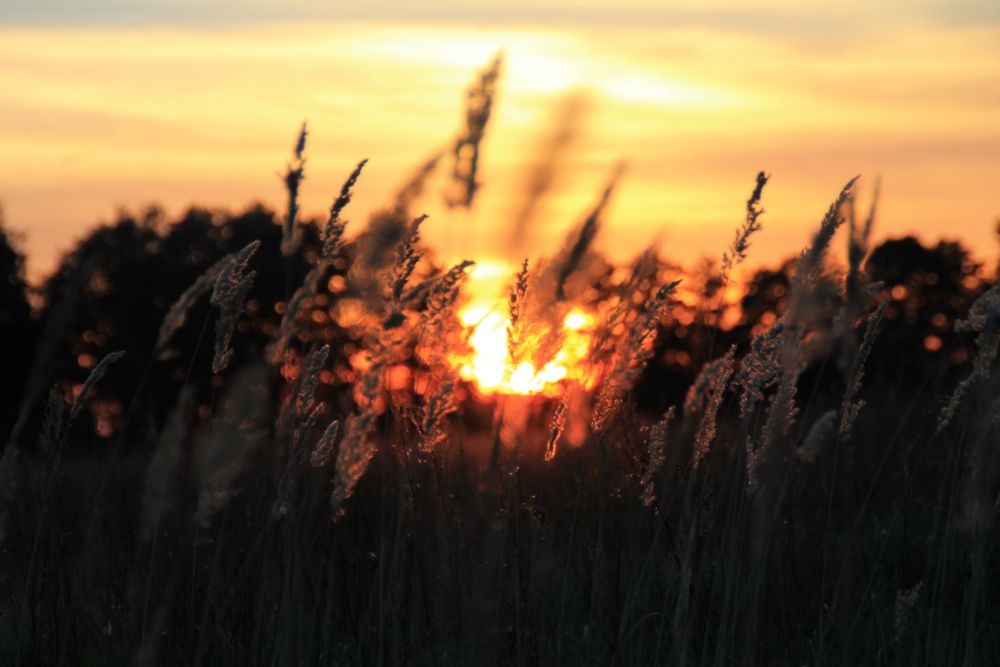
100 114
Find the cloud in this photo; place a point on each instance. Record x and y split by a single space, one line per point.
113 102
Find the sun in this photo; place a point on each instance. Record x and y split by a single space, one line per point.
491 369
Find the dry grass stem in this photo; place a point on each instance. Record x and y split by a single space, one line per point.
356 447
584 238
305 397
851 407
333 233
656 455
818 436
411 191
294 174
737 252
714 388
95 376
322 453
556 426
228 295
479 105
632 357
176 316
433 426
515 310
983 319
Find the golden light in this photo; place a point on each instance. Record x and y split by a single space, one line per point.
491 369
726 101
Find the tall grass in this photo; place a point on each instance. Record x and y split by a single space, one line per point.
775 515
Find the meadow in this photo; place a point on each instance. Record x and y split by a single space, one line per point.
259 438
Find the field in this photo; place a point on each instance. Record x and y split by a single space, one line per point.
258 438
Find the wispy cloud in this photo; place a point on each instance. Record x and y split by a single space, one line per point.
122 104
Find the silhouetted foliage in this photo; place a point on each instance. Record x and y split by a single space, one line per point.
929 289
123 276
18 330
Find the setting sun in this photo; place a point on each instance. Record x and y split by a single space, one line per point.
492 370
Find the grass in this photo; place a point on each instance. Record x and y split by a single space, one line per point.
299 505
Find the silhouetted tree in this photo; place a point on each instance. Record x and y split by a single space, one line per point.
929 288
119 282
112 291
766 295
17 330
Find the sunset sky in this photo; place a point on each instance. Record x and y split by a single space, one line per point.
106 104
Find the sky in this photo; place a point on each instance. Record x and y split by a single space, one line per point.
115 104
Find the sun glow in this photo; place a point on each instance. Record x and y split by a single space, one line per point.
491 369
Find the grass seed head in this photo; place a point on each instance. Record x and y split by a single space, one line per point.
818 436
294 173
656 455
228 295
95 376
322 453
556 427
465 168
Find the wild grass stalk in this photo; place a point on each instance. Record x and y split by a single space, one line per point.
229 292
544 173
294 173
851 406
333 239
656 455
858 246
442 295
322 452
308 381
983 320
759 369
413 188
631 359
515 310
643 269
574 253
333 233
465 154
176 316
95 376
434 424
810 263
556 427
706 398
737 251
357 448
406 262
60 316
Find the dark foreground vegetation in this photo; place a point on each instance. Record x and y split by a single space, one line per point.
284 468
